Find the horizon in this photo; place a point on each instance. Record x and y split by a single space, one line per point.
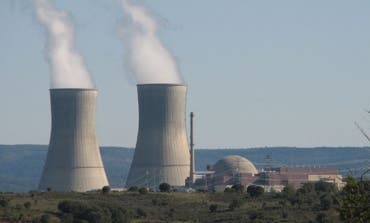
217 148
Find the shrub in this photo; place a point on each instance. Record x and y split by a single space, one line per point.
355 201
141 212
66 218
322 218
120 215
46 219
228 190
255 191
288 191
84 211
133 189
143 190
307 188
105 190
4 203
155 201
238 188
326 202
164 187
213 208
253 215
322 186
236 203
27 205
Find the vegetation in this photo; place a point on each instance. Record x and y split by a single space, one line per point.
313 203
164 187
105 190
255 191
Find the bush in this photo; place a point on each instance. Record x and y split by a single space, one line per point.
141 212
120 215
322 218
213 208
326 202
228 190
288 191
236 203
355 201
27 205
84 211
253 215
322 186
105 190
307 188
46 219
4 203
255 191
238 188
143 190
66 218
164 187
133 189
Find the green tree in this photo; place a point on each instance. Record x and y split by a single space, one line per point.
106 189
133 189
326 187
27 205
236 203
164 187
143 190
238 188
255 191
355 201
4 203
322 218
213 208
326 202
289 190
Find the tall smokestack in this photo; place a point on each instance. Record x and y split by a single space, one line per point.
73 162
192 163
162 151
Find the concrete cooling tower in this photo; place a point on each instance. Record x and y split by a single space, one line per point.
162 151
73 161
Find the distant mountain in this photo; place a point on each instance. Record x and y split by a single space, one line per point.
21 165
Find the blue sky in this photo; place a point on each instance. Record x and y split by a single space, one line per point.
259 73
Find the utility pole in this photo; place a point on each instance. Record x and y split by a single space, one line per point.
192 166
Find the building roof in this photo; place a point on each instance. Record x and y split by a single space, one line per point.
234 164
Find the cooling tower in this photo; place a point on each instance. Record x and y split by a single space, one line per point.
73 161
162 151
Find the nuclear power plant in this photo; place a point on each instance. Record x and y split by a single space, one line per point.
73 161
162 150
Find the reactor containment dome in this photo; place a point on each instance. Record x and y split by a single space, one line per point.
231 165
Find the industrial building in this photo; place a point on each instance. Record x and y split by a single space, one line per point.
234 169
162 150
73 161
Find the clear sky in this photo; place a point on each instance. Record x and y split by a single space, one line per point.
259 73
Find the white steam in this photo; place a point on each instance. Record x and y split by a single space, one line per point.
150 61
68 68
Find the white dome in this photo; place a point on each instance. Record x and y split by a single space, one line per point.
233 164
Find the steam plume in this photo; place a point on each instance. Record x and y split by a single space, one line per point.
67 65
150 61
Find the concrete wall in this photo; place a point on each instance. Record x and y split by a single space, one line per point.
162 151
73 162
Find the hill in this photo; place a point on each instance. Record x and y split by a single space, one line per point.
21 165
